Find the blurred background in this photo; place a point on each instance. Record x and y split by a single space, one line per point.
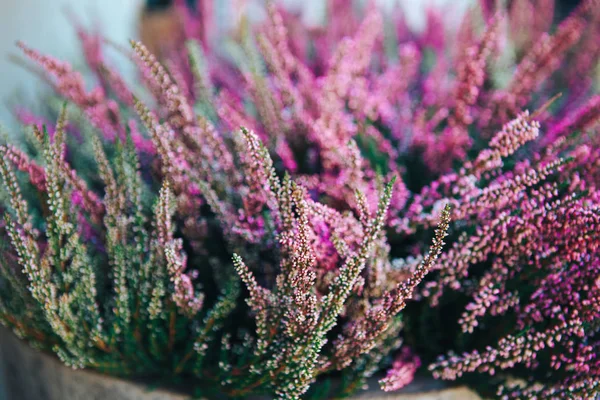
48 26
45 25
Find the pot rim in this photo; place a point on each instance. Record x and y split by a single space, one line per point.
420 388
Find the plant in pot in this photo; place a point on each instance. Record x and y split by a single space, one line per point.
255 221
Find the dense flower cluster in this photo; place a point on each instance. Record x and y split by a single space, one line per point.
258 218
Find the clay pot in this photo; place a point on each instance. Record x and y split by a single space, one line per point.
26 374
160 29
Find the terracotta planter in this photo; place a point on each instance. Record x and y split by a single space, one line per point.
26 374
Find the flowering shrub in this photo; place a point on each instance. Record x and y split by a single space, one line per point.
263 227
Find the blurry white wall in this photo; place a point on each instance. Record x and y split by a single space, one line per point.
44 25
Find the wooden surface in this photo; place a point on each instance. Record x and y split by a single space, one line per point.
26 374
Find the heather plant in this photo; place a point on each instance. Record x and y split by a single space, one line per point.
257 214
